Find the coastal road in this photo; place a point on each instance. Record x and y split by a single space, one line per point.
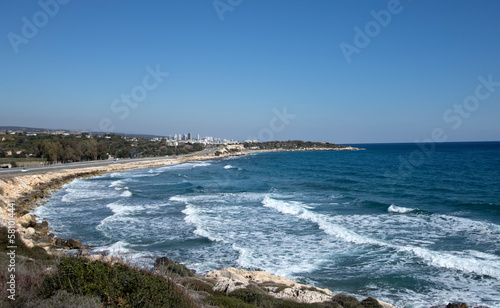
95 163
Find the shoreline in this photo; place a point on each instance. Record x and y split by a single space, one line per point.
29 191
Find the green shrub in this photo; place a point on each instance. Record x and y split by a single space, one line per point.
116 285
198 285
346 301
370 302
291 304
255 296
68 300
22 250
166 265
223 301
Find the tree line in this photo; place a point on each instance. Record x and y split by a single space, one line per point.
58 148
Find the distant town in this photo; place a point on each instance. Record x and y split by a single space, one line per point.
171 140
29 147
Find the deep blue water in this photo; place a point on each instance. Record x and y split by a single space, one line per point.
412 226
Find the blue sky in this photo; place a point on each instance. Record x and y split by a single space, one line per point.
228 77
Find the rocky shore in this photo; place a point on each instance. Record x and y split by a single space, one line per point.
28 191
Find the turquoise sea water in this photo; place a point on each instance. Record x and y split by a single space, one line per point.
413 226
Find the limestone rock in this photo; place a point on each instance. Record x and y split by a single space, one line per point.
29 232
73 244
304 294
46 241
27 221
385 305
228 273
231 279
229 285
67 244
29 243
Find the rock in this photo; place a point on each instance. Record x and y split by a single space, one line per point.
304 294
101 258
43 227
29 243
231 279
385 305
454 305
228 273
46 241
258 277
83 251
59 242
57 253
67 244
29 232
228 285
27 221
72 243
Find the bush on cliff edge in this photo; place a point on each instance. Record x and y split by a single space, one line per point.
116 285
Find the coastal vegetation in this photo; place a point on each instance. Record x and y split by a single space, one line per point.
44 280
44 148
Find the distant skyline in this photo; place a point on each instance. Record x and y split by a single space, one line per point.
336 71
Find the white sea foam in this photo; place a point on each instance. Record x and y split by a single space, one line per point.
399 209
224 219
119 247
297 209
232 167
193 217
126 193
119 208
117 183
84 193
201 164
466 263
220 198
182 166
123 249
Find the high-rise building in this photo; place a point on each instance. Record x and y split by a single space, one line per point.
190 136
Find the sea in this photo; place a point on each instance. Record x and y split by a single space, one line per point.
415 225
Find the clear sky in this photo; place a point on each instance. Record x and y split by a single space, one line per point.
233 65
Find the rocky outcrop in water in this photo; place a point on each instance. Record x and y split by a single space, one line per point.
231 279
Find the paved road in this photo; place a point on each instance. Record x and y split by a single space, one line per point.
97 163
